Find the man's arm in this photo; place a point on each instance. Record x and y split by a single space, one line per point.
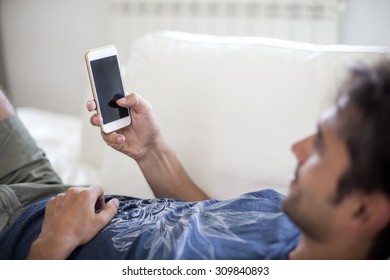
142 141
166 176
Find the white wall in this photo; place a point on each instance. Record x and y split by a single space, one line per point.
44 44
366 22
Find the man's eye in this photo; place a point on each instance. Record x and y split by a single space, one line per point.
318 145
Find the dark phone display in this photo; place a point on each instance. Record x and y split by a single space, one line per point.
108 84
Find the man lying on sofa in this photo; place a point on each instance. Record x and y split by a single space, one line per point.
338 206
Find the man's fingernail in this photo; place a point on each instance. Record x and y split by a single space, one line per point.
116 201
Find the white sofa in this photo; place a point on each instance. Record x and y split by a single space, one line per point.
229 106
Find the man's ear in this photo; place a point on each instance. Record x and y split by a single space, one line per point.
369 213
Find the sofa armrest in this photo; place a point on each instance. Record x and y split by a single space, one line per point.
59 135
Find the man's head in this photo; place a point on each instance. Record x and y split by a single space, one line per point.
340 195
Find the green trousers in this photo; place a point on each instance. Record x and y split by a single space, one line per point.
26 175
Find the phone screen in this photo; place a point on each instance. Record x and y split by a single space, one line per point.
109 88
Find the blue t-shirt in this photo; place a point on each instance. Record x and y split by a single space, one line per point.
251 226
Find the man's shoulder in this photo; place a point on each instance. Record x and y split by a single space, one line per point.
266 193
269 196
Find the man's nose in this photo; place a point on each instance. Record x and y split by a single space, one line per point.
303 148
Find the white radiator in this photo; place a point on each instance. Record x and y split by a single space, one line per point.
315 21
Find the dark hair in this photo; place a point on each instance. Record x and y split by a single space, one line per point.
363 114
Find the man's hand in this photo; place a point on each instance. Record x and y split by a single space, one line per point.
137 139
143 142
71 220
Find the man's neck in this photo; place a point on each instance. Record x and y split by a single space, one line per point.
308 249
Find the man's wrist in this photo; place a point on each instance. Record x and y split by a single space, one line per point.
153 154
49 250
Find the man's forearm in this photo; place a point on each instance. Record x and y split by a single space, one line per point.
166 176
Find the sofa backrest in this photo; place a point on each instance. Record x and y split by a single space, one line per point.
231 107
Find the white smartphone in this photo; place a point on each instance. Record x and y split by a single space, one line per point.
107 86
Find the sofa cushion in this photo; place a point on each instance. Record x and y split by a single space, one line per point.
231 107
